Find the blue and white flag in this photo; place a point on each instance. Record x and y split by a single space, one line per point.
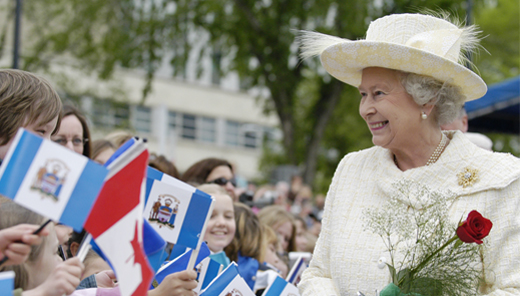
180 263
176 210
6 283
281 287
207 270
296 271
50 179
228 283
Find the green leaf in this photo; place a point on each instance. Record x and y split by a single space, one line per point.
426 287
393 274
404 279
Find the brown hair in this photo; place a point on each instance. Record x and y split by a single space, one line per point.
164 165
248 238
199 172
99 146
270 235
276 215
12 214
71 110
24 99
118 138
213 189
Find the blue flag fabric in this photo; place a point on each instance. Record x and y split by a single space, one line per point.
177 250
181 263
50 179
154 246
6 283
281 287
176 210
228 282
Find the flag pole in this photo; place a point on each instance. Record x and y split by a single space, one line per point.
84 247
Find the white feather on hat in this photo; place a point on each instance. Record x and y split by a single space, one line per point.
415 43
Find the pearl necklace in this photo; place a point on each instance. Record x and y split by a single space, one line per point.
437 152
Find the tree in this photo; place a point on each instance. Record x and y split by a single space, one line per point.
256 36
499 22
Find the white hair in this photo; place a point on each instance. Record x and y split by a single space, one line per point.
447 98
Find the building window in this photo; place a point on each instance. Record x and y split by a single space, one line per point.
250 139
189 127
142 119
232 133
172 121
108 114
207 130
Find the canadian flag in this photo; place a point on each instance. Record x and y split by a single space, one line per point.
116 221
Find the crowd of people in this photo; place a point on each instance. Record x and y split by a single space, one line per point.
404 100
257 229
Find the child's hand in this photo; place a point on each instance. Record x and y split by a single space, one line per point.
62 281
105 279
177 284
16 241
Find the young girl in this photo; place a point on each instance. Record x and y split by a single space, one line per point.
271 243
282 222
272 265
221 226
44 272
247 248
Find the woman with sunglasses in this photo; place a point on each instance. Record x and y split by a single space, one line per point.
213 171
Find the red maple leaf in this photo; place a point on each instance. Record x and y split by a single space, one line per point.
140 258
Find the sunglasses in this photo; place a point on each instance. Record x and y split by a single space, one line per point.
223 181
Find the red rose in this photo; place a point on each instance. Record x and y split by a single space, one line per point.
474 229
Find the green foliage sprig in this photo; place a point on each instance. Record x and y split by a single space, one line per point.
427 257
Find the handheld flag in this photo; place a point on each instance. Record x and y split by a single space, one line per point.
228 282
116 221
280 287
6 283
176 210
50 179
207 270
296 271
180 263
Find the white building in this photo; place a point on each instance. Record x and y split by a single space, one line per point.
185 120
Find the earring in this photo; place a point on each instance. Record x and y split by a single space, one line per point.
423 115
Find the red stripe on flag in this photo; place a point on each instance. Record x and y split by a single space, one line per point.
140 258
119 195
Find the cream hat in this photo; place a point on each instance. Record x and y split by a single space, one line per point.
415 43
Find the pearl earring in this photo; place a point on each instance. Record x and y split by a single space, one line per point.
424 116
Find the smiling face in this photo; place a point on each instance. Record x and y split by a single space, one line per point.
389 111
221 226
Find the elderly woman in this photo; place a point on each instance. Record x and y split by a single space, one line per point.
408 74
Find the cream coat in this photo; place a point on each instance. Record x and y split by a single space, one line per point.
346 257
